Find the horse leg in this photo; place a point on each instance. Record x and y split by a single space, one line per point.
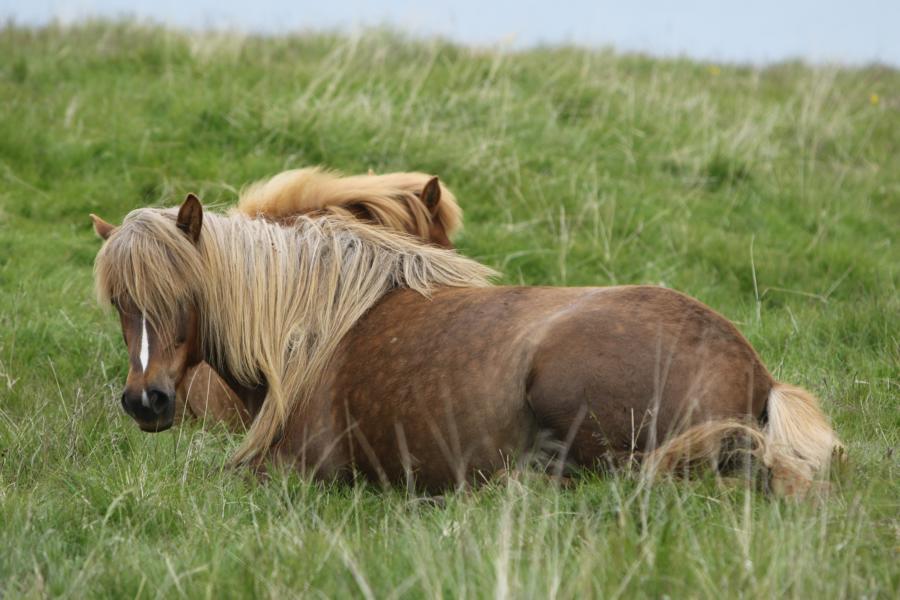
575 431
610 389
206 395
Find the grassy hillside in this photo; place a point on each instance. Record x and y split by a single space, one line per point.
772 195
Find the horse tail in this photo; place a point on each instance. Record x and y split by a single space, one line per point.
795 445
706 445
797 428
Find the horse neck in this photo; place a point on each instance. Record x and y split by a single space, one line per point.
281 273
251 397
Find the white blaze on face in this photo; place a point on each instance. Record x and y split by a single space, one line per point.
145 357
145 344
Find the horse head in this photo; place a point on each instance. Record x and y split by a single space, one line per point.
159 352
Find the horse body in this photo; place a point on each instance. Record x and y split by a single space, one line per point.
471 379
359 347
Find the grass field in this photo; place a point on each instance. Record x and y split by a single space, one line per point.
772 195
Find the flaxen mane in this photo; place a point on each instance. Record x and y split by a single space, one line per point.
274 302
391 200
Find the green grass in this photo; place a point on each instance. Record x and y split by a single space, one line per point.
773 195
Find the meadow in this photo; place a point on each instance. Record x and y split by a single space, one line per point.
772 194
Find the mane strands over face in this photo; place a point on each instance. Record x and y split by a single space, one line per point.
391 200
273 301
149 261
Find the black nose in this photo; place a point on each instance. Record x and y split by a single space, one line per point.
159 401
149 406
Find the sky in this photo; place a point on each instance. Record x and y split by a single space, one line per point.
749 31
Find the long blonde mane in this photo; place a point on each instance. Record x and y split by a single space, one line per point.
274 302
391 200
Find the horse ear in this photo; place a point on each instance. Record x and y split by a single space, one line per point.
190 217
101 227
431 195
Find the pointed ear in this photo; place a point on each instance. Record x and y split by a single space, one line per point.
431 195
190 217
101 227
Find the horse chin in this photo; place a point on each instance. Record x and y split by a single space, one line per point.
156 427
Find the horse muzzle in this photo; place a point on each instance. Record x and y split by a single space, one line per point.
153 409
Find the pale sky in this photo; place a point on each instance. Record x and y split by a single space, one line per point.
756 31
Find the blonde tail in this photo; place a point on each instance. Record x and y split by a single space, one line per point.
799 430
795 446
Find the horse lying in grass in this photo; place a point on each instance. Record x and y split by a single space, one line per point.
414 203
396 359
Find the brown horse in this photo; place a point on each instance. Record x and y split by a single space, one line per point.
369 351
415 203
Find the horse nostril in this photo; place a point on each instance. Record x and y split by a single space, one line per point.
124 402
159 401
